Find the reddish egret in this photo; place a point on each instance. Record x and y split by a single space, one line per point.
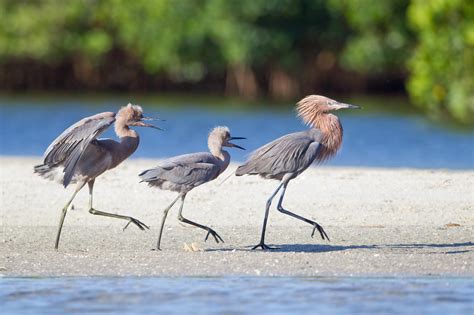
183 173
83 157
287 157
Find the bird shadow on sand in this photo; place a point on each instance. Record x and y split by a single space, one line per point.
451 248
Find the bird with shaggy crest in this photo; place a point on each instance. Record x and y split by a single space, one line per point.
184 172
285 158
80 157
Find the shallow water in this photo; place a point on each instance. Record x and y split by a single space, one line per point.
237 295
371 138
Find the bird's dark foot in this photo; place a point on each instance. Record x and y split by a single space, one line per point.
142 226
320 230
216 236
263 246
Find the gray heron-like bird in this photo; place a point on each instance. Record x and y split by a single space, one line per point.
82 157
184 172
285 158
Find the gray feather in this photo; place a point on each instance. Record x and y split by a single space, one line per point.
183 172
67 149
292 153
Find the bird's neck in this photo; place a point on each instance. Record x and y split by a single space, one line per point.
129 141
221 155
224 160
331 130
217 151
122 130
215 147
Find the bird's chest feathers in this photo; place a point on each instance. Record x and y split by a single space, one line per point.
332 132
120 151
222 160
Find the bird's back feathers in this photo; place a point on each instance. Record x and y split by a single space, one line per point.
292 153
184 172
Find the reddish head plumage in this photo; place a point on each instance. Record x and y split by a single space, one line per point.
314 111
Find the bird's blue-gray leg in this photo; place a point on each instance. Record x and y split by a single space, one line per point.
142 226
262 244
165 213
210 231
314 224
63 215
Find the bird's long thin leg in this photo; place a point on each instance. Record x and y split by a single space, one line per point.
142 226
314 224
210 231
267 209
63 215
165 213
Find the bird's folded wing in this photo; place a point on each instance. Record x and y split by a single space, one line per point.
290 153
190 173
68 148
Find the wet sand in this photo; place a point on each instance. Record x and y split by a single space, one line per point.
382 222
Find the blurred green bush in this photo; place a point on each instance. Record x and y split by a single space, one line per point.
282 48
442 66
381 40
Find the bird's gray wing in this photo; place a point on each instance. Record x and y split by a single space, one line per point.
193 174
68 148
182 173
289 154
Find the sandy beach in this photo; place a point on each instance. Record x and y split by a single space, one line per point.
382 222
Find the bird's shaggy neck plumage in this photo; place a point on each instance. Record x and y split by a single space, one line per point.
123 131
129 139
215 140
313 111
124 116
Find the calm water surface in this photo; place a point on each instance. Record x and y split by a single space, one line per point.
372 138
237 295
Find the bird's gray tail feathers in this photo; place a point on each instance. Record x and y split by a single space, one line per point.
244 169
44 171
152 177
145 175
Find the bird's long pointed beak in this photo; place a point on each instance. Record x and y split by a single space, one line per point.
152 126
233 145
152 119
140 123
348 106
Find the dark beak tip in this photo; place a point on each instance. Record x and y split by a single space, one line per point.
154 127
237 146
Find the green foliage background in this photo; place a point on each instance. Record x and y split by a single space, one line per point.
442 66
281 48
